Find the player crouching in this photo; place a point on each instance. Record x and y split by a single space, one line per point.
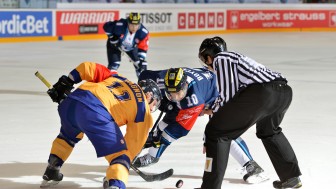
97 108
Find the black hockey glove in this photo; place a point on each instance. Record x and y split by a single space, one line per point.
114 40
154 139
149 140
142 66
166 105
61 89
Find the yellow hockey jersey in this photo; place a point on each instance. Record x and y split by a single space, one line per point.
122 99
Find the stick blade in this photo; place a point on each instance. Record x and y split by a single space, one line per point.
154 177
160 176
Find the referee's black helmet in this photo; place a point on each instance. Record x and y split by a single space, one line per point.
211 47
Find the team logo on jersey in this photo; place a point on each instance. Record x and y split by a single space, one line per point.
208 164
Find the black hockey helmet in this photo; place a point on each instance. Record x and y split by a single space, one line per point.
175 81
210 47
134 18
148 85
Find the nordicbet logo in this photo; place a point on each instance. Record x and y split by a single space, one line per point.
25 24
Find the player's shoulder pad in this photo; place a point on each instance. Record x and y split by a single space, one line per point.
122 22
199 73
144 29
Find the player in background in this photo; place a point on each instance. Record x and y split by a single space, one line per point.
186 94
129 36
249 94
97 108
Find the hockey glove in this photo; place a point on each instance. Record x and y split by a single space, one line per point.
61 89
142 65
157 135
166 105
114 40
154 139
149 141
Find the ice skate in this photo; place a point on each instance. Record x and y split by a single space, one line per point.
255 174
106 185
51 177
145 161
294 182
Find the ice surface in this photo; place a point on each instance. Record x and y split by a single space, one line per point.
29 120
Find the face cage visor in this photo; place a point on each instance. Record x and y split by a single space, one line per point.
155 99
172 96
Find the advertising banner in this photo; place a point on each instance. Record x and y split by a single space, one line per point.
83 22
25 23
261 19
201 20
181 20
253 1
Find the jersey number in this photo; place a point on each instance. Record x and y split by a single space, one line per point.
124 96
192 100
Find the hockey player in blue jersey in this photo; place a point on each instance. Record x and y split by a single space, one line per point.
187 94
129 36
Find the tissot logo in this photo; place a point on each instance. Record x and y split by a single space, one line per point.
156 17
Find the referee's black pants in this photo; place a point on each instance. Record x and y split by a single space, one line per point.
264 105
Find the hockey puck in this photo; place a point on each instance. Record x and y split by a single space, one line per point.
179 184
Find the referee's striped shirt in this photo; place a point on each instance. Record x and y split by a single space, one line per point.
235 71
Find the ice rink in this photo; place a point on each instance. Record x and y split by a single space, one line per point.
29 120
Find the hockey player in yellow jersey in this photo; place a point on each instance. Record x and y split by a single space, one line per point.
97 108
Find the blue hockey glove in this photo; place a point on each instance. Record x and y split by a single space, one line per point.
61 89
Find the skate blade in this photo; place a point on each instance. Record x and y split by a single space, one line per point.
47 184
258 178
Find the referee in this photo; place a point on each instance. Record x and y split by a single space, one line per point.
250 94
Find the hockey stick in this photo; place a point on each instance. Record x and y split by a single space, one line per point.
157 121
153 177
40 76
146 177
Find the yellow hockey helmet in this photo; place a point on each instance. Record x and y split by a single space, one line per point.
134 18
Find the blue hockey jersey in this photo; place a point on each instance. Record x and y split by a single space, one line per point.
119 29
201 94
